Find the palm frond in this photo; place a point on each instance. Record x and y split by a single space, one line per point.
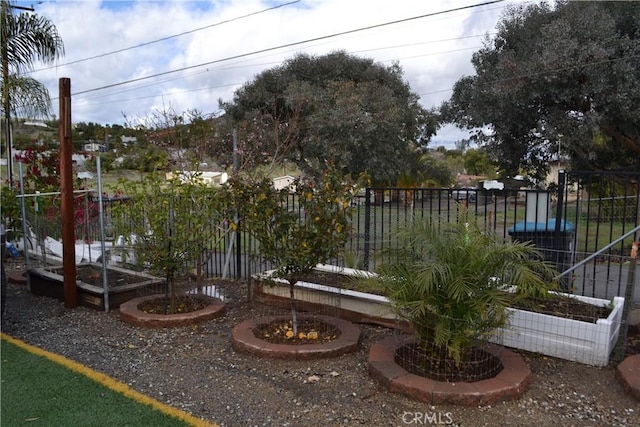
449 280
31 38
29 98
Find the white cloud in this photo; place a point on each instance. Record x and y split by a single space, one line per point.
433 51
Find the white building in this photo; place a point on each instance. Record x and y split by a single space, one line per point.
211 178
283 182
93 147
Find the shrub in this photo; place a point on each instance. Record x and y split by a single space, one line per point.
448 281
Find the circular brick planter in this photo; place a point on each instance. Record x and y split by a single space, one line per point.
509 384
130 313
17 277
244 340
628 374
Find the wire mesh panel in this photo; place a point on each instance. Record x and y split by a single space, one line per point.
446 349
295 311
605 276
43 219
604 206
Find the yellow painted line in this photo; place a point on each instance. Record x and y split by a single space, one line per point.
110 383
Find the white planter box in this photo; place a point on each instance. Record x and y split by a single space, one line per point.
354 305
579 341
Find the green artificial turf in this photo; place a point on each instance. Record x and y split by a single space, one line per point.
38 392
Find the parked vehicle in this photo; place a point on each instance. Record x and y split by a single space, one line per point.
468 194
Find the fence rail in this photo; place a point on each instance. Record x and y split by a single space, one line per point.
586 213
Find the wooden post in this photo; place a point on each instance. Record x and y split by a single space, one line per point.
66 189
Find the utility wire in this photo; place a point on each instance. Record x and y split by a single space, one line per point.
122 101
230 67
540 73
239 83
226 21
243 55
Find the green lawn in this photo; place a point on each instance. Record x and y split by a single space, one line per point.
38 391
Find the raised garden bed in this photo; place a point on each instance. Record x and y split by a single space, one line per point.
589 342
580 341
123 284
353 305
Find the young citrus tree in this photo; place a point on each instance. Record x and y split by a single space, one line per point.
163 221
297 227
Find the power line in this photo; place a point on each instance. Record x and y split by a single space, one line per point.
422 43
163 94
264 64
540 73
226 21
243 55
239 83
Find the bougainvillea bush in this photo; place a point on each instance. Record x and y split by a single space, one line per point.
41 174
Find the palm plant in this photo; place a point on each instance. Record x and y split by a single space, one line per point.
24 39
449 282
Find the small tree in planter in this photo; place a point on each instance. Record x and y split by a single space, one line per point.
163 219
297 227
448 282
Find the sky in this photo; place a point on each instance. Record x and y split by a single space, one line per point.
130 59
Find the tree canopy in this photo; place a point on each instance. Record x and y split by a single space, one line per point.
558 80
335 109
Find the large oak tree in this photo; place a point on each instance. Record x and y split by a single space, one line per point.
335 109
561 79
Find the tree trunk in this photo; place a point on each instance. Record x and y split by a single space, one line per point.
294 311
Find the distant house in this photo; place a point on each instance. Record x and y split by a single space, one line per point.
555 166
468 181
94 147
283 182
38 124
85 175
211 178
78 159
129 140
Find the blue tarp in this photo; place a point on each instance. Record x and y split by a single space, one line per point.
549 226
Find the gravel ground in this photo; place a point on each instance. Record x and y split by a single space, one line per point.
195 369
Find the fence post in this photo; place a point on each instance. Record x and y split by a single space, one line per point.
367 227
239 258
620 347
66 190
562 180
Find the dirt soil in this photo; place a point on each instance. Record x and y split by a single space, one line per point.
309 331
194 368
560 306
437 364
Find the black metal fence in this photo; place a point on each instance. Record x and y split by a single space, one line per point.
587 212
602 207
379 212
